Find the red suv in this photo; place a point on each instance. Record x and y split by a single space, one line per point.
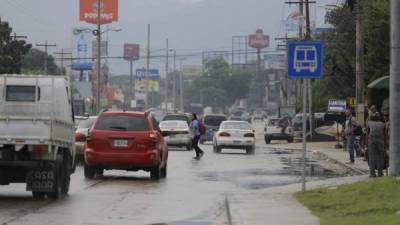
128 141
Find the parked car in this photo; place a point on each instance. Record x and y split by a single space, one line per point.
129 141
212 123
235 135
182 117
81 133
274 129
178 133
37 134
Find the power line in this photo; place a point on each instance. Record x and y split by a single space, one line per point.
45 45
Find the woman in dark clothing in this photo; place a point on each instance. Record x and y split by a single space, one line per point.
376 132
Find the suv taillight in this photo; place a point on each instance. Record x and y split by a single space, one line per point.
153 139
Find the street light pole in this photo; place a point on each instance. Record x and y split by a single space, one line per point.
98 67
146 104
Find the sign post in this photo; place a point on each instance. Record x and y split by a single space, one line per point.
131 53
305 60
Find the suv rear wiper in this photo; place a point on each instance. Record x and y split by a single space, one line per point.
119 128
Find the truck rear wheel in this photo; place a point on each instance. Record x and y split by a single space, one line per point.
62 176
38 195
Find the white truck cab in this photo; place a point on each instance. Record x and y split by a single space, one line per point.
36 133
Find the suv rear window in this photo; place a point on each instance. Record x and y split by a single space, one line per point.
122 123
214 120
18 93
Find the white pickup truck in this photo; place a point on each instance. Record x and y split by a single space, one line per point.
36 134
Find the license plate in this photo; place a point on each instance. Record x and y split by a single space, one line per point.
120 143
236 142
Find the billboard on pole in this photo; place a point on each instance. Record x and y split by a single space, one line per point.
131 51
153 82
108 11
81 49
259 40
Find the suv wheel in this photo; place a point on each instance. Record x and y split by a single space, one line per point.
155 172
267 140
164 171
89 171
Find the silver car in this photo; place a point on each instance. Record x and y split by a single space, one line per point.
178 133
81 132
235 135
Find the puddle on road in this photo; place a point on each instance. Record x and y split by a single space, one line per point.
293 166
289 173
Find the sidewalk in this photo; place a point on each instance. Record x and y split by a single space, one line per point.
277 206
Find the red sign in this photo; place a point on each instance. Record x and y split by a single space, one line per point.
108 11
259 40
131 51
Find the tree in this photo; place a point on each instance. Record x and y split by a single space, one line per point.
219 85
11 50
33 63
340 51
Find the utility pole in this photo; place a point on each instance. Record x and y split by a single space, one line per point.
98 65
181 89
174 81
146 103
166 77
46 46
359 62
62 54
394 150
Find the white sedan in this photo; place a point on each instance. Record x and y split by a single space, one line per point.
234 135
178 133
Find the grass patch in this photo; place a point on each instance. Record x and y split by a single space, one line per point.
372 202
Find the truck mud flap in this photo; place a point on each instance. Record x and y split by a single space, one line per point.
41 179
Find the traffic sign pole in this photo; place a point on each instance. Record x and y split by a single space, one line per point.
304 156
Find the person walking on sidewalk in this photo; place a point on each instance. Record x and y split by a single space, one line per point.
376 132
349 128
195 132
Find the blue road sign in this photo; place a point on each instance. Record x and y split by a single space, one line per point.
305 59
153 74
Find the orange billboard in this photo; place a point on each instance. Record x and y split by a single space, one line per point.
108 11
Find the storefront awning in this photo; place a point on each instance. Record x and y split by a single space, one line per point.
380 83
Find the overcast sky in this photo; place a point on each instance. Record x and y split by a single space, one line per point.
191 25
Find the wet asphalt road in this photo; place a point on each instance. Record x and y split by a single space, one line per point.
194 192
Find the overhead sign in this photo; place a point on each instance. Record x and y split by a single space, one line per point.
131 51
259 40
81 50
305 59
337 105
89 11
